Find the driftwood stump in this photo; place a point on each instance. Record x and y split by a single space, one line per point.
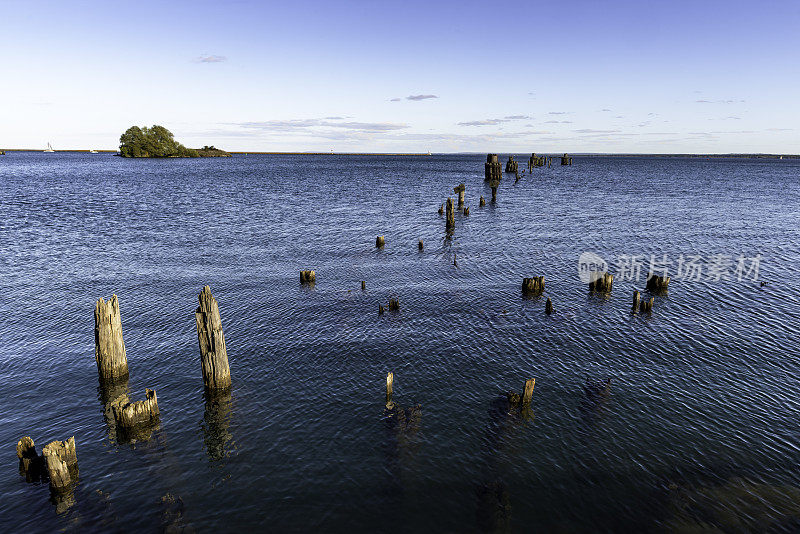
602 284
109 348
533 286
213 354
308 277
61 461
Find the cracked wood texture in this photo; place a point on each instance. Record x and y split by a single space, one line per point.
213 355
109 348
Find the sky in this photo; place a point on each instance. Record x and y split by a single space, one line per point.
405 76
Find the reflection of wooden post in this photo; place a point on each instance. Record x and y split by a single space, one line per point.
389 385
60 457
213 354
109 348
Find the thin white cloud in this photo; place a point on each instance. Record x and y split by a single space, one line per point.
211 59
420 97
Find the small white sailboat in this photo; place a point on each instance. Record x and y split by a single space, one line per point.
93 151
49 148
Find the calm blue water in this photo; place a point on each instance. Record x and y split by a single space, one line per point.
700 427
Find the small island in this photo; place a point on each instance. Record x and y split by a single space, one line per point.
158 142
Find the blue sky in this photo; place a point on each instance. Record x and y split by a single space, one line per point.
575 76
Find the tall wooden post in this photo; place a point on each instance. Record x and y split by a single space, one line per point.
109 348
389 385
213 355
451 221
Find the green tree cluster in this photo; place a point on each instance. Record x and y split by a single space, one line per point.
153 142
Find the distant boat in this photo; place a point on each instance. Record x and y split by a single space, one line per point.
49 148
429 152
93 152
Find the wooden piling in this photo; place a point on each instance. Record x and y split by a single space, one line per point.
533 286
129 415
548 307
657 284
380 241
647 305
636 297
511 165
602 284
380 309
451 221
459 190
363 285
61 462
389 390
308 277
566 160
482 202
441 209
109 348
30 463
493 169
394 305
421 245
528 391
466 211
213 354
494 184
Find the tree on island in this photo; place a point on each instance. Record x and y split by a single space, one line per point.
153 142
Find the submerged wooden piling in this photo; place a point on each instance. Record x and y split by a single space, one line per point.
380 241
389 390
636 297
61 462
459 190
657 284
109 348
548 307
533 286
602 284
128 415
515 400
493 169
308 277
482 201
441 209
213 354
451 221
363 285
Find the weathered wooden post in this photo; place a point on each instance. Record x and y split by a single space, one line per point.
493 168
635 302
394 304
602 283
109 348
308 277
459 190
30 464
494 184
129 415
363 285
533 286
451 221
566 160
482 202
389 387
380 241
61 461
657 284
441 209
524 401
380 309
647 305
421 246
511 165
466 211
213 354
548 307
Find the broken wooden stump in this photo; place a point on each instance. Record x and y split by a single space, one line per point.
647 305
131 415
213 354
482 202
466 211
61 462
399 420
602 283
566 160
459 190
420 245
380 309
451 221
493 169
308 277
515 400
31 465
380 241
533 286
363 285
657 284
109 348
394 305
511 165
389 390
548 307
535 161
636 297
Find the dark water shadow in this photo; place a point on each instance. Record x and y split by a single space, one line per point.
401 446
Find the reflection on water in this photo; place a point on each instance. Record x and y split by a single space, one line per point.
217 438
110 393
173 512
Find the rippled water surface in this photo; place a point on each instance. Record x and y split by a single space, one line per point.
700 428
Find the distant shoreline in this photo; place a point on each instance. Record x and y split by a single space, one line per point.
416 154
